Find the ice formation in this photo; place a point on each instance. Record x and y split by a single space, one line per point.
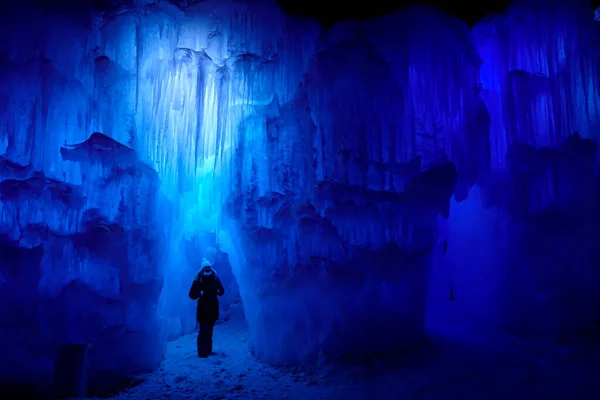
317 164
523 254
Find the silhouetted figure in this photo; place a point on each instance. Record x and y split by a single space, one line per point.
205 288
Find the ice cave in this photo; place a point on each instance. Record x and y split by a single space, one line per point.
349 183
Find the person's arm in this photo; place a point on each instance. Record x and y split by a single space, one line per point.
220 288
195 290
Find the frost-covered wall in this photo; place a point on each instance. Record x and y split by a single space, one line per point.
118 221
316 165
312 148
539 73
81 264
335 221
523 248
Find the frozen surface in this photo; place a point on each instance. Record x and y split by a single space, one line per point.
324 173
118 223
331 213
522 254
364 292
463 362
539 73
80 264
232 108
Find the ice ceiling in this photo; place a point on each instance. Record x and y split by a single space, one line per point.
328 164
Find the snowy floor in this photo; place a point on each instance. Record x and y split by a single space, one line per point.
455 366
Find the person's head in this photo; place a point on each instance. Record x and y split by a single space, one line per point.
206 268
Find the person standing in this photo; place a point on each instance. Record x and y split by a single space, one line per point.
206 288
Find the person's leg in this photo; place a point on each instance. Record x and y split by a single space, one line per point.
201 341
209 336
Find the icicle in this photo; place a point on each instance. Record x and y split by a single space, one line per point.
536 74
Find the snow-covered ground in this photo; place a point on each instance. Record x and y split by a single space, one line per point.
461 363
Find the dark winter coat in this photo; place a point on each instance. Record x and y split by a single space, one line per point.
206 290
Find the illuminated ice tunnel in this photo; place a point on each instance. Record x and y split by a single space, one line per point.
313 165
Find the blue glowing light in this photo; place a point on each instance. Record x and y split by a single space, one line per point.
336 176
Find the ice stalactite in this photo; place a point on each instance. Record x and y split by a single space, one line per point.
539 74
204 74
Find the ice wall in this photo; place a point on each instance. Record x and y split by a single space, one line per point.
539 73
335 218
320 162
166 89
522 248
80 265
315 147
